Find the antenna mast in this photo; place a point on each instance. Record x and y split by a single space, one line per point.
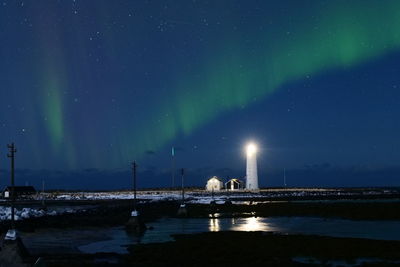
11 155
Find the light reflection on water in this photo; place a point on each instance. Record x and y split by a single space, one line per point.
214 225
249 224
163 229
116 239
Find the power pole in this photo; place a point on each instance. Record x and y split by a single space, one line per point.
135 223
182 211
183 188
42 196
173 167
134 166
284 177
11 154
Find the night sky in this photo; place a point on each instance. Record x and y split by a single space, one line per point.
86 87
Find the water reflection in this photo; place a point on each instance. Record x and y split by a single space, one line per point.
214 225
250 224
239 224
116 239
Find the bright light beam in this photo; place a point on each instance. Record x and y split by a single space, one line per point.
251 149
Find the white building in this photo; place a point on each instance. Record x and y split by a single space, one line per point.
234 184
251 167
214 184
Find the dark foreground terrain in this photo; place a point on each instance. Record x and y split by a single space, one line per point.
244 249
222 248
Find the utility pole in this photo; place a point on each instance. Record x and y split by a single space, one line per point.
11 154
183 188
284 177
173 167
43 197
135 223
134 166
182 211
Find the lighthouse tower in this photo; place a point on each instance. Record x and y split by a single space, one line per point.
251 167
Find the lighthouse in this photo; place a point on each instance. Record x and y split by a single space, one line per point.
251 167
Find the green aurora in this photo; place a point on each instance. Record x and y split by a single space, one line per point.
238 70
336 35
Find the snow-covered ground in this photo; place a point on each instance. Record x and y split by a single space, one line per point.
144 195
26 213
191 196
199 196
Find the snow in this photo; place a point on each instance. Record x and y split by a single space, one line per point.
26 213
11 235
191 197
152 196
203 197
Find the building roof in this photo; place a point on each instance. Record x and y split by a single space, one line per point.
214 177
235 181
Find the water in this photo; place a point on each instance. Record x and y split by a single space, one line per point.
116 239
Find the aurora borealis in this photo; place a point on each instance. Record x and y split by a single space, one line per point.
89 84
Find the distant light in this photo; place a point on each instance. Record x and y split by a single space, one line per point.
251 149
